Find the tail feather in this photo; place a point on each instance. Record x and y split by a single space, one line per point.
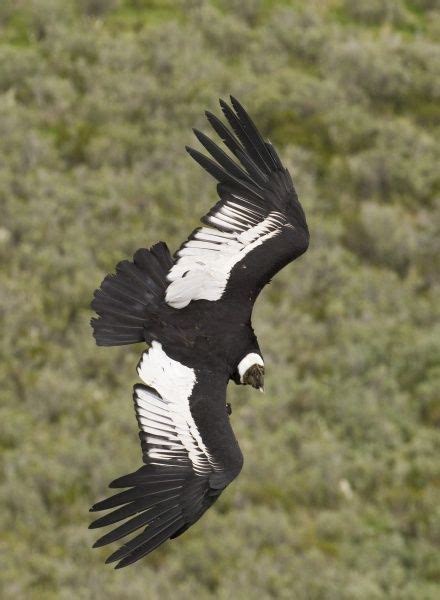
126 300
162 254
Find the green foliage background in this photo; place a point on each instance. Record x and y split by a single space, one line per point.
338 496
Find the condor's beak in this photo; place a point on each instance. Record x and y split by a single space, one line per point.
254 376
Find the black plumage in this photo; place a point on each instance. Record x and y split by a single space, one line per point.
194 312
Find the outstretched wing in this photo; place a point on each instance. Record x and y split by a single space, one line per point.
256 228
183 473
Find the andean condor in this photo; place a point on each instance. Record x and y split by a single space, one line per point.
194 310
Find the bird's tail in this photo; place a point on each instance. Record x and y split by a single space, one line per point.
127 300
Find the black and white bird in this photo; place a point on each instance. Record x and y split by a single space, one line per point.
194 310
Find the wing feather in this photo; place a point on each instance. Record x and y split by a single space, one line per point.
180 478
258 204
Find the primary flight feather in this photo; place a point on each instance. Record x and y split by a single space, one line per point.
194 312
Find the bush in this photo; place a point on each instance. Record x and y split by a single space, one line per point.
97 99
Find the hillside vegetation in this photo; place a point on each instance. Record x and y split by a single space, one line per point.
339 497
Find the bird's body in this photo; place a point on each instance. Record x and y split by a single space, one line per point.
194 311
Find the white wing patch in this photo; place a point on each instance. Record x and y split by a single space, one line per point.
166 419
205 262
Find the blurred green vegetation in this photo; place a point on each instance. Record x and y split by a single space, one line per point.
339 495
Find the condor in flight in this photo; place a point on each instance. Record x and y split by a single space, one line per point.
194 310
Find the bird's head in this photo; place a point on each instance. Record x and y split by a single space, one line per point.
251 371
